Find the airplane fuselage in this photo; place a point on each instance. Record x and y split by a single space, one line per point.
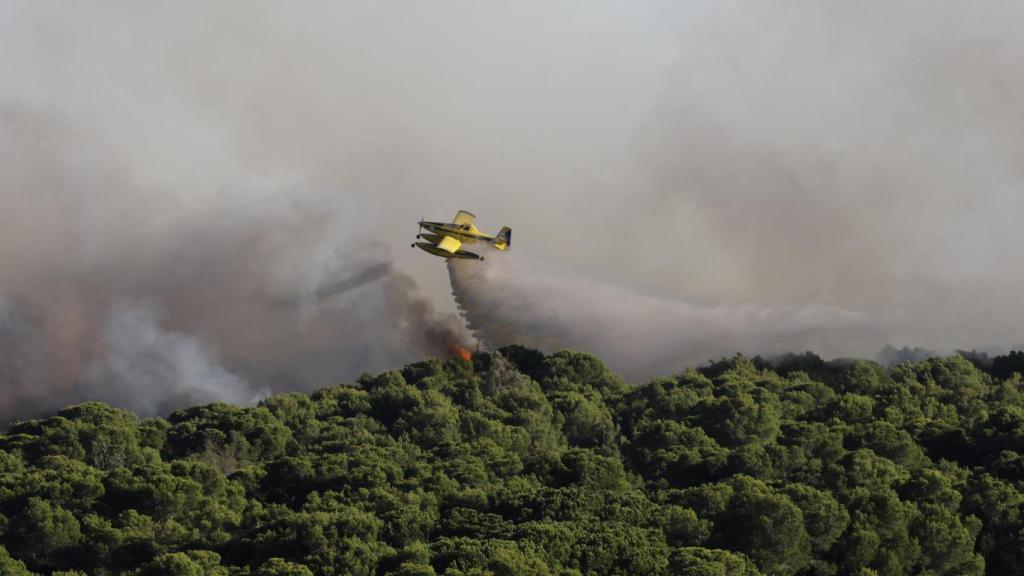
465 232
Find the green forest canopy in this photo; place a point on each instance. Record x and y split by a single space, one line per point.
521 463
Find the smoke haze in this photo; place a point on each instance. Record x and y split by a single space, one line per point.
169 175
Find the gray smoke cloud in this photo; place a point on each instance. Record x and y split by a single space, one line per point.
213 161
22 361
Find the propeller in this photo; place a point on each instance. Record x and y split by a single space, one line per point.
418 232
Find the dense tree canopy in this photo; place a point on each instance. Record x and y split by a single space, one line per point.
520 463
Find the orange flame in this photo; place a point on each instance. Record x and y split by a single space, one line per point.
457 351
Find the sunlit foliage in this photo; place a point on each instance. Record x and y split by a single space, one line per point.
520 463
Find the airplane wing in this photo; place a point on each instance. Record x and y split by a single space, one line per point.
463 217
449 244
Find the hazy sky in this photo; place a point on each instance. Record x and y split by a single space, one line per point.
866 155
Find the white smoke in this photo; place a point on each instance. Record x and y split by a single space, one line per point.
149 370
506 301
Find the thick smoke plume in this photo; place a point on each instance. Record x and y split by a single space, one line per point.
110 291
506 301
151 371
235 184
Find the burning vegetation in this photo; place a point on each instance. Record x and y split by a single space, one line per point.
455 350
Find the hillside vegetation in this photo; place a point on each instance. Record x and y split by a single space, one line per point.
520 463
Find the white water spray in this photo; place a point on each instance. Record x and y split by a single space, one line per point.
507 301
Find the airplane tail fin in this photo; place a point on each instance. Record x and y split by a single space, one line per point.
503 241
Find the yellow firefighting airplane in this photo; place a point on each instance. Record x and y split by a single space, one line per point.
446 239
